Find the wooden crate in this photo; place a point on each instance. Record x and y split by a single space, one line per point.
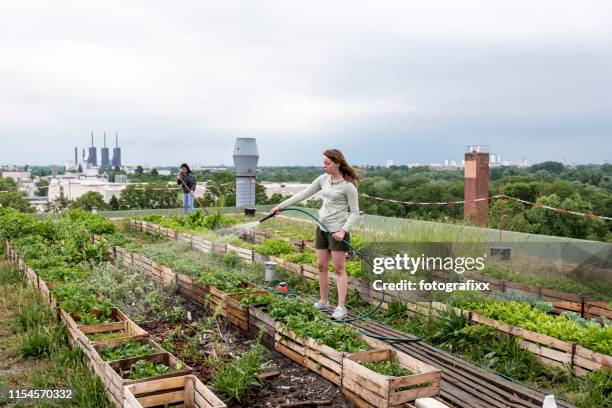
122 330
186 390
217 298
293 268
319 358
109 372
260 321
261 258
97 358
310 272
305 351
384 391
237 313
116 315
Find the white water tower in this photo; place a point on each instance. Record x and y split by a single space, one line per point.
246 156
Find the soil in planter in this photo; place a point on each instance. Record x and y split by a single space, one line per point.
203 342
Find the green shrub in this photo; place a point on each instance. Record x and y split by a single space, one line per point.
36 343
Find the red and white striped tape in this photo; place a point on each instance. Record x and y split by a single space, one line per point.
498 196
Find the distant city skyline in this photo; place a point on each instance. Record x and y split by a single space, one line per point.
409 81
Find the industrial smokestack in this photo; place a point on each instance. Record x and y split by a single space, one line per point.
76 159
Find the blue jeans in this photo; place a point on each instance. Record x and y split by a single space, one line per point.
188 203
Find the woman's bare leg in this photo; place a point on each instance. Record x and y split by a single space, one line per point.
341 279
323 269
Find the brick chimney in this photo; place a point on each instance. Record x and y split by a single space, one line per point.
476 184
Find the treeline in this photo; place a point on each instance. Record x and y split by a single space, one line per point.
585 189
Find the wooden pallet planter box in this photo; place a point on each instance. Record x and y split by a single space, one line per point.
232 248
114 383
246 254
384 391
310 272
261 258
202 244
237 313
317 357
191 290
97 358
220 248
110 331
280 261
298 244
184 237
261 322
293 268
187 391
217 298
115 316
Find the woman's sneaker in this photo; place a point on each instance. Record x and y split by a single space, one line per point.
323 307
339 313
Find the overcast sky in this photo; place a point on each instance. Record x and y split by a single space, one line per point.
412 81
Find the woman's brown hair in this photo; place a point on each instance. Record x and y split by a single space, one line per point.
348 172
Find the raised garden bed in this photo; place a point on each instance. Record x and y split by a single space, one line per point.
386 391
115 374
186 391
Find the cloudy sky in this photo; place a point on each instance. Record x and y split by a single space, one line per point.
412 81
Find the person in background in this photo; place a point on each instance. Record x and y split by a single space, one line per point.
339 212
187 181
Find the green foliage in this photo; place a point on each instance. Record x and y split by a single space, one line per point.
305 257
94 223
13 199
259 300
143 369
306 321
63 273
29 317
14 223
387 367
81 298
127 349
589 334
274 246
36 343
235 379
150 195
90 200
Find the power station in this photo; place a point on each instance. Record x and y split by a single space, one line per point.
91 159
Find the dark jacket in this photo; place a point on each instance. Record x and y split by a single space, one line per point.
188 180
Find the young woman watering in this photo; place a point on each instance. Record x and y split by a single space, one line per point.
339 212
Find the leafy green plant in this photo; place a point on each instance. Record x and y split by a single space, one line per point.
235 379
274 246
127 349
79 297
260 300
387 367
589 334
143 369
29 317
306 321
36 343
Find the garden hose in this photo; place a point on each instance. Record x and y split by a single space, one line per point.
362 315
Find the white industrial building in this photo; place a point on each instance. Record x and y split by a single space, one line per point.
73 188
